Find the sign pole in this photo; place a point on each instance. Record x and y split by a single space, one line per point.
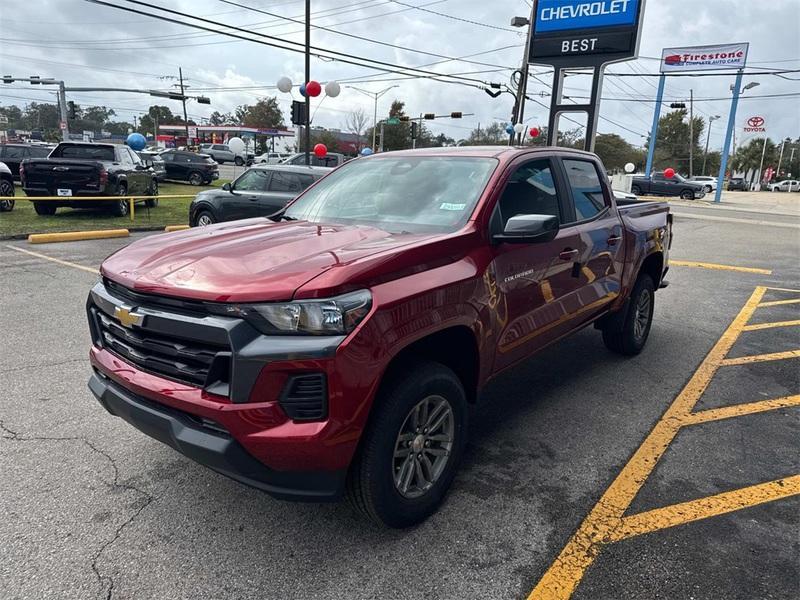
723 167
654 129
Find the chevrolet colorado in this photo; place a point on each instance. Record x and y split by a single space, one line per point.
337 346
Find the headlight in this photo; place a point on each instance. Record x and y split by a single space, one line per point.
332 316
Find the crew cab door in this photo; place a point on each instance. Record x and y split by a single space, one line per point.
247 196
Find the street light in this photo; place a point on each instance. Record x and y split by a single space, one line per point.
374 95
708 139
519 105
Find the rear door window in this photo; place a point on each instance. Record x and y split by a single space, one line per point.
587 191
17 152
284 181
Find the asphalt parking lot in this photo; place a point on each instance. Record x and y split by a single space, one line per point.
672 475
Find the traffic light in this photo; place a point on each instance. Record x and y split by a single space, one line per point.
35 79
429 116
203 100
414 130
678 105
455 115
298 113
71 109
405 118
8 79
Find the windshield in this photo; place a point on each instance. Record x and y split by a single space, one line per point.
85 152
398 194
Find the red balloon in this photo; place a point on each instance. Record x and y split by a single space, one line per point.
313 88
669 173
320 150
535 132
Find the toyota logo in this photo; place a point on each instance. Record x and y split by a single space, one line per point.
755 122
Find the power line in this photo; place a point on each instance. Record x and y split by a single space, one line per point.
454 18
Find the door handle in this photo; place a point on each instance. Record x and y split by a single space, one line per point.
614 240
568 254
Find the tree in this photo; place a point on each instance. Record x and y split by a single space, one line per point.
493 135
265 113
616 152
672 145
442 140
217 118
356 124
396 137
748 157
158 115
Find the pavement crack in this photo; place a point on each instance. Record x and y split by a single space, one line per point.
39 366
106 582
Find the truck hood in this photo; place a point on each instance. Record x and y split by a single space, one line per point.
246 261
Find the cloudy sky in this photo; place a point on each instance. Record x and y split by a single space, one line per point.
90 45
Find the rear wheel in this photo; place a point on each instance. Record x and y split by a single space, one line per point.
6 195
205 218
196 178
121 207
636 190
238 161
153 191
709 189
632 337
410 451
44 209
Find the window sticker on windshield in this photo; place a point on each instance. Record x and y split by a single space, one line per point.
450 206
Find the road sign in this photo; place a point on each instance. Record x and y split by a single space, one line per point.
755 125
393 121
585 33
62 125
704 58
192 132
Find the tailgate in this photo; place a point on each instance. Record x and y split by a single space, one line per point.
54 174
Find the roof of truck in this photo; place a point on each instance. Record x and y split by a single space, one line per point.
500 152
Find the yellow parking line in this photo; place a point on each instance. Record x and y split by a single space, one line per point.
66 263
779 303
703 508
714 266
738 410
761 326
746 360
566 572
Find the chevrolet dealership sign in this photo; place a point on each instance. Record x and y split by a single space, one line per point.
704 58
585 33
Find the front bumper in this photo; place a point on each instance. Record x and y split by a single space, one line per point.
215 449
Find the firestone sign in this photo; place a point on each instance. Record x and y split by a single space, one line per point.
704 58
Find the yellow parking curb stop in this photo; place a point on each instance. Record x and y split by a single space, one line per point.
176 227
76 236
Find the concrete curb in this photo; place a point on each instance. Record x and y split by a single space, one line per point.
75 236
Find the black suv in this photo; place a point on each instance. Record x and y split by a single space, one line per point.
197 169
738 184
14 154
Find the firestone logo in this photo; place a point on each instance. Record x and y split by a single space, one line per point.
755 125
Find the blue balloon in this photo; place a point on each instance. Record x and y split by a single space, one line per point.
510 129
302 89
136 141
366 151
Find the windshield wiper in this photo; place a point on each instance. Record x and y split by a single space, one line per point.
286 218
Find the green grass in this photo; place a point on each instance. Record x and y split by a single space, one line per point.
24 220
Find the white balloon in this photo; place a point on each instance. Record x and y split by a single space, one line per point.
285 84
519 128
332 89
630 168
236 144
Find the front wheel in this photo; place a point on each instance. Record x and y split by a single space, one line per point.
205 218
636 190
410 451
709 189
6 195
687 195
238 161
152 202
632 337
121 207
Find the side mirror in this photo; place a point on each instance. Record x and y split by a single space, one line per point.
227 187
529 229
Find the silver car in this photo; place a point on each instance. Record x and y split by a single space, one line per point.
222 154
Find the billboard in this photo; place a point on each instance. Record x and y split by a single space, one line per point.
704 58
585 33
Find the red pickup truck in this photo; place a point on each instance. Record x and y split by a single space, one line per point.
337 346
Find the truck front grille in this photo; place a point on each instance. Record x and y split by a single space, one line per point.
187 361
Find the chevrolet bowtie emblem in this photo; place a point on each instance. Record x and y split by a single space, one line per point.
126 317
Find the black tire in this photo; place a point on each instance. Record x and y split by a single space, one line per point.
121 207
687 195
44 209
636 190
205 218
631 339
196 178
238 161
371 486
709 189
6 195
153 191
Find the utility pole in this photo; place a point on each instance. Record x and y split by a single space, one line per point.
185 117
383 124
519 104
62 107
780 160
708 139
761 167
691 133
308 78
374 96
